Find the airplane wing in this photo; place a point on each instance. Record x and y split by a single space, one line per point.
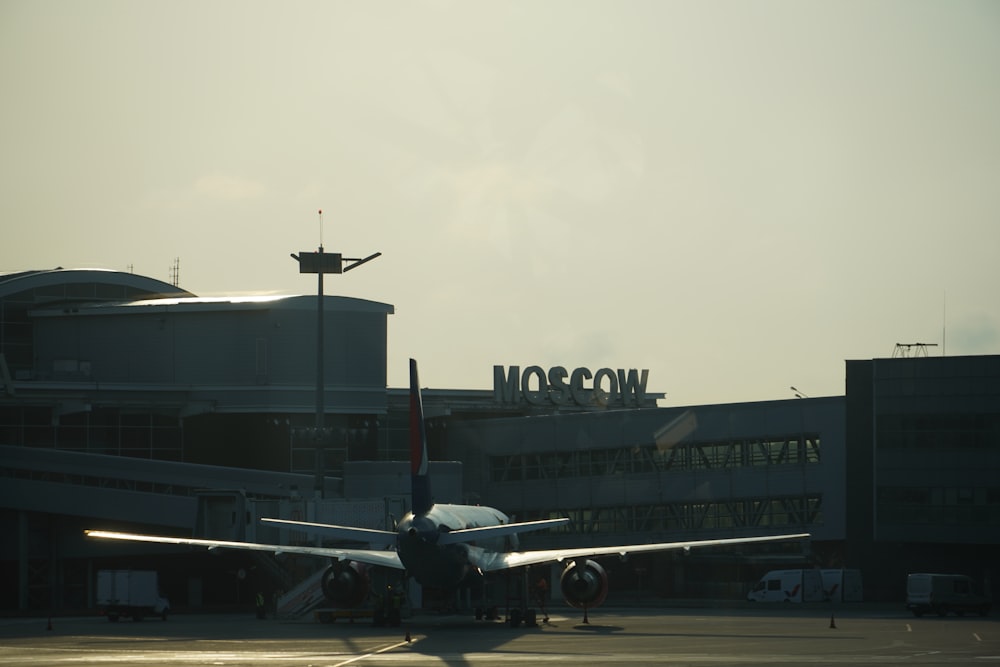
340 532
368 556
500 561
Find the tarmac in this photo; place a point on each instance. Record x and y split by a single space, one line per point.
854 634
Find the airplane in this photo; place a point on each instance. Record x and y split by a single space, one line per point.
444 546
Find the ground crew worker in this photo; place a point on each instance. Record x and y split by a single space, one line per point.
378 610
260 605
541 594
394 604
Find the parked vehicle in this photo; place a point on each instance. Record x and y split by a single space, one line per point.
788 586
134 593
842 585
944 593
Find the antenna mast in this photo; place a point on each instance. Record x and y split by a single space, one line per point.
944 325
906 350
175 272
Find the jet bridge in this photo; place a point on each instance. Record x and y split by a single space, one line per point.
123 489
48 497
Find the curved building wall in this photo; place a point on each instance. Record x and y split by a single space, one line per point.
224 381
23 292
195 342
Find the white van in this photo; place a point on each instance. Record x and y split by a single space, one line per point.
842 585
134 593
788 586
943 593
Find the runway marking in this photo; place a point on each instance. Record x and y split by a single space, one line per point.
375 652
909 628
976 635
75 656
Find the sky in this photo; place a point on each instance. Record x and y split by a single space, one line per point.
736 196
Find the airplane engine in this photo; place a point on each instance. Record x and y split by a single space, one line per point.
584 584
345 584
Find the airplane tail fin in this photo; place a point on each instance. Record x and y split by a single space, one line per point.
419 478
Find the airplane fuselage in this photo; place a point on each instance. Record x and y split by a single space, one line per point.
431 559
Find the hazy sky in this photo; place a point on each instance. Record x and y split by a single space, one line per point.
737 196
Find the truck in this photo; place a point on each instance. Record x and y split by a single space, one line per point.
788 586
943 593
134 593
842 585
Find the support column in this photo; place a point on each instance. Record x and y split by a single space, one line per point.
22 560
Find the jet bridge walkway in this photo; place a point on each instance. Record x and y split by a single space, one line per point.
48 497
123 489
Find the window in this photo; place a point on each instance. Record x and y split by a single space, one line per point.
647 458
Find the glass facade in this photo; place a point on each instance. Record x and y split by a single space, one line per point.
637 459
937 449
923 440
785 513
949 432
968 506
115 431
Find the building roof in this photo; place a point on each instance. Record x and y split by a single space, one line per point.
23 281
219 304
102 291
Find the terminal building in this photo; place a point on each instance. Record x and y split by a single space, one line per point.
128 403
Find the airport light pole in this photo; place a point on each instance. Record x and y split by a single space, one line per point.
321 263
